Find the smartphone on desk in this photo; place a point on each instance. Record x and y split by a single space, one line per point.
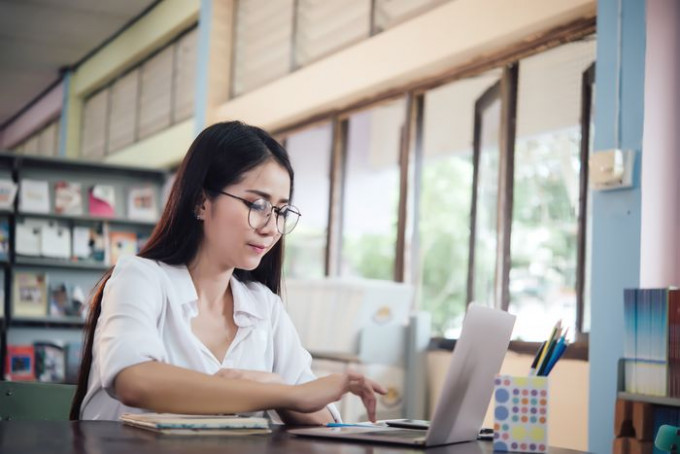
409 423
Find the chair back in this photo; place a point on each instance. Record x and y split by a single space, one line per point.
31 401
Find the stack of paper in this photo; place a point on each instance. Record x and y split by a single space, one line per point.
168 423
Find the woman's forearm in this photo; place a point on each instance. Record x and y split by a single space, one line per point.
165 388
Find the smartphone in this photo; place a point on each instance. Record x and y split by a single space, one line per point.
409 423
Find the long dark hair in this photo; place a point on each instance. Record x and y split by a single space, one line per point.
218 157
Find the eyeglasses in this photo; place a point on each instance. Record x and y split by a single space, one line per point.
260 211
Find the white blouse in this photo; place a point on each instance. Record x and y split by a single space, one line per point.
146 315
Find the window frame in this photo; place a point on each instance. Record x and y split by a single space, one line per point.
411 166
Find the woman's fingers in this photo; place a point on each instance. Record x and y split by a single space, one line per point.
366 389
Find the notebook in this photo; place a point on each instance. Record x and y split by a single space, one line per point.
176 424
467 390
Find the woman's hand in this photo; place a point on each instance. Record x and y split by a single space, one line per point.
316 394
254 375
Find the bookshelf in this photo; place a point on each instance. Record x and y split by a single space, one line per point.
648 376
654 400
60 256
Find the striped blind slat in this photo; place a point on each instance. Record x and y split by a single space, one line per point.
123 111
263 46
93 139
325 26
185 76
155 100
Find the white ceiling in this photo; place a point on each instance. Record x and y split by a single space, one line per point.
38 37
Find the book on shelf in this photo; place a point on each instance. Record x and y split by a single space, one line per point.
73 354
28 237
34 196
55 241
142 203
122 243
89 242
8 191
68 198
2 295
176 424
29 295
49 361
20 363
4 239
65 303
102 201
651 341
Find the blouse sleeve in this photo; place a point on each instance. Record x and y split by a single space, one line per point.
127 331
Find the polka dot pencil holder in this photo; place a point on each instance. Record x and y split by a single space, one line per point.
521 414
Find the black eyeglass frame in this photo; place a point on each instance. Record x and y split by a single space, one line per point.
275 209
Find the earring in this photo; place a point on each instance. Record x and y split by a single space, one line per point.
198 217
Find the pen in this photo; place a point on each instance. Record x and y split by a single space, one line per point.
558 326
559 350
534 363
340 424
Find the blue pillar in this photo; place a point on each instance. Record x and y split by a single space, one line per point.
619 110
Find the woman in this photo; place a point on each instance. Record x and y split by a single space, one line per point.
194 324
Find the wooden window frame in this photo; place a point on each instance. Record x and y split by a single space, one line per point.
411 166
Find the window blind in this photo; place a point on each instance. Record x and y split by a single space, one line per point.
47 139
263 47
327 25
185 76
93 139
155 99
389 13
123 116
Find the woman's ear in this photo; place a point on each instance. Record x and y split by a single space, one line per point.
201 207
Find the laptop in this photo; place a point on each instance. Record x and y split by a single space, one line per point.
466 394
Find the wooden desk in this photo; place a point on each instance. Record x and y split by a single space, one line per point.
104 437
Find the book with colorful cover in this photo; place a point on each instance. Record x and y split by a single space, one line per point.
34 196
142 203
49 362
29 295
122 243
20 363
68 198
102 201
177 424
4 239
8 191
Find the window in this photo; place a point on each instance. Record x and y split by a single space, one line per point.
499 167
185 76
263 43
273 38
143 101
546 189
95 115
155 96
123 119
371 192
44 142
310 155
445 196
324 26
389 13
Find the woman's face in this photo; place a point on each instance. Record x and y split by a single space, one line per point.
228 235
